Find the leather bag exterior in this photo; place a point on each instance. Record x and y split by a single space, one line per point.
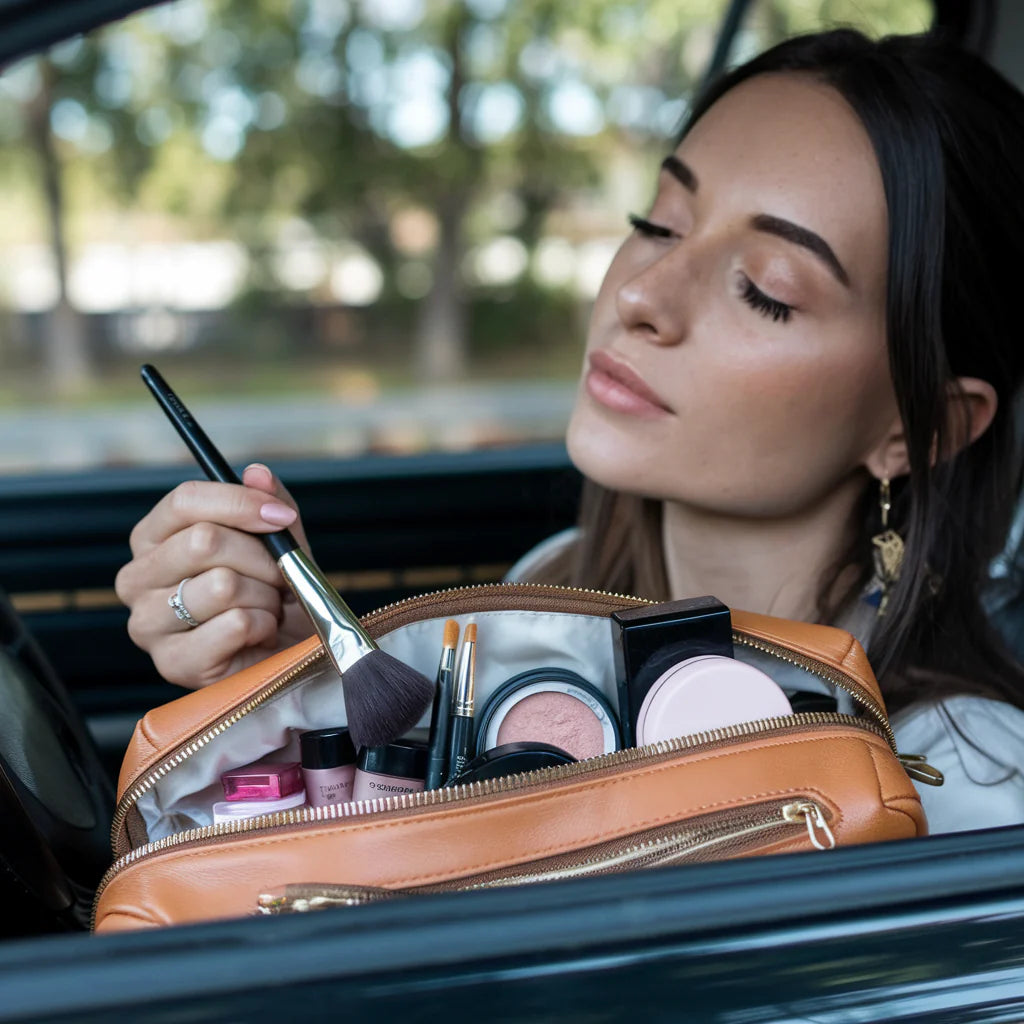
851 773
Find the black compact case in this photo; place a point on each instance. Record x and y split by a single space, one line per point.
654 638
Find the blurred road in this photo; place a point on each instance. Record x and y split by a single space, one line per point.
449 418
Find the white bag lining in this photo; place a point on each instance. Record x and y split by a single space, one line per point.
508 642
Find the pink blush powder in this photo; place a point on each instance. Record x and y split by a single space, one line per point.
555 718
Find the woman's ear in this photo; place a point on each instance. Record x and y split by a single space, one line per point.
889 458
970 408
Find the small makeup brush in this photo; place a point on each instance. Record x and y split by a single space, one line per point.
383 697
437 746
461 739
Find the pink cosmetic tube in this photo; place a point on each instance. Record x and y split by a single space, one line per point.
262 781
328 766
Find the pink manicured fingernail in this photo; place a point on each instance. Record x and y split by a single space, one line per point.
278 515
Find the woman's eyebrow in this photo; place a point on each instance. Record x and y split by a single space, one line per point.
802 236
785 229
680 171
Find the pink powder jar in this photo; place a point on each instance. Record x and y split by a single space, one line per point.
328 766
707 692
549 705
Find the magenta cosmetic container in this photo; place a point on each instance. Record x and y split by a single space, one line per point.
391 770
328 766
257 789
262 781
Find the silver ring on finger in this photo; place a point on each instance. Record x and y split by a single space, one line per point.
178 605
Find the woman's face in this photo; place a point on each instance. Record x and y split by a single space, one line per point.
736 360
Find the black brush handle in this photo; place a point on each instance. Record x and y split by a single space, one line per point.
460 742
206 453
440 721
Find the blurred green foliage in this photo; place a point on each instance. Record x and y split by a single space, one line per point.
331 137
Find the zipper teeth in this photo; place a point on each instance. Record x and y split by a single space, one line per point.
487 586
139 790
130 797
490 787
815 667
142 787
676 844
652 852
823 671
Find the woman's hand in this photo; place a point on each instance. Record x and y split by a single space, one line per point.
203 531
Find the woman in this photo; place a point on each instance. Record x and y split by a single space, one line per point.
804 354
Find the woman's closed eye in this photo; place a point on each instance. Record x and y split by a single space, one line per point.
750 293
764 304
647 228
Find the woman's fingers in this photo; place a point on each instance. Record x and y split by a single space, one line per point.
259 477
227 643
208 534
192 551
204 597
202 501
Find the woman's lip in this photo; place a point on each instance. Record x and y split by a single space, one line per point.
620 387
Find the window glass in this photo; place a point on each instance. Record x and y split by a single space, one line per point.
336 226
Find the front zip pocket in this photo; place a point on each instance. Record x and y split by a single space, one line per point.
733 833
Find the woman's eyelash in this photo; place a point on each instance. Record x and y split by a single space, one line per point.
752 295
648 228
764 304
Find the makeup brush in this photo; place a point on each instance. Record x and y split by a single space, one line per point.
383 697
440 718
461 739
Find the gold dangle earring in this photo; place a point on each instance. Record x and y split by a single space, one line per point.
888 553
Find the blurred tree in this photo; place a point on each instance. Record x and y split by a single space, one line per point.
481 114
416 128
66 355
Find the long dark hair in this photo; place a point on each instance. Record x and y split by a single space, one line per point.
948 133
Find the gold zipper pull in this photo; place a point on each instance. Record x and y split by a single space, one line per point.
301 898
920 770
810 814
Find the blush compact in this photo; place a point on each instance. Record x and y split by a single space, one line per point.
550 706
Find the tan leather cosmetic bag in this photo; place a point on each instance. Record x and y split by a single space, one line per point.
807 781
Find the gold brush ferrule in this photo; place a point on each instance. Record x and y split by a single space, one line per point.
336 625
465 682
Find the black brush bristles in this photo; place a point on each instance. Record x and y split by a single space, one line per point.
383 698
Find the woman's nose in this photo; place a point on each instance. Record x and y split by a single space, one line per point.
653 302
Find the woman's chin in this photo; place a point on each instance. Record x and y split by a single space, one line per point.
605 455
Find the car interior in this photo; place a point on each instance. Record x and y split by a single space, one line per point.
912 930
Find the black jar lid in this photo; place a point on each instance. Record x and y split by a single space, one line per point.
327 748
511 759
403 758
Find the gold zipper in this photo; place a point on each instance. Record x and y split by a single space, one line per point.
141 787
655 848
424 801
822 671
183 753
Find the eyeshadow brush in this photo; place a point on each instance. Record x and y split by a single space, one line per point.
383 697
440 720
460 738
